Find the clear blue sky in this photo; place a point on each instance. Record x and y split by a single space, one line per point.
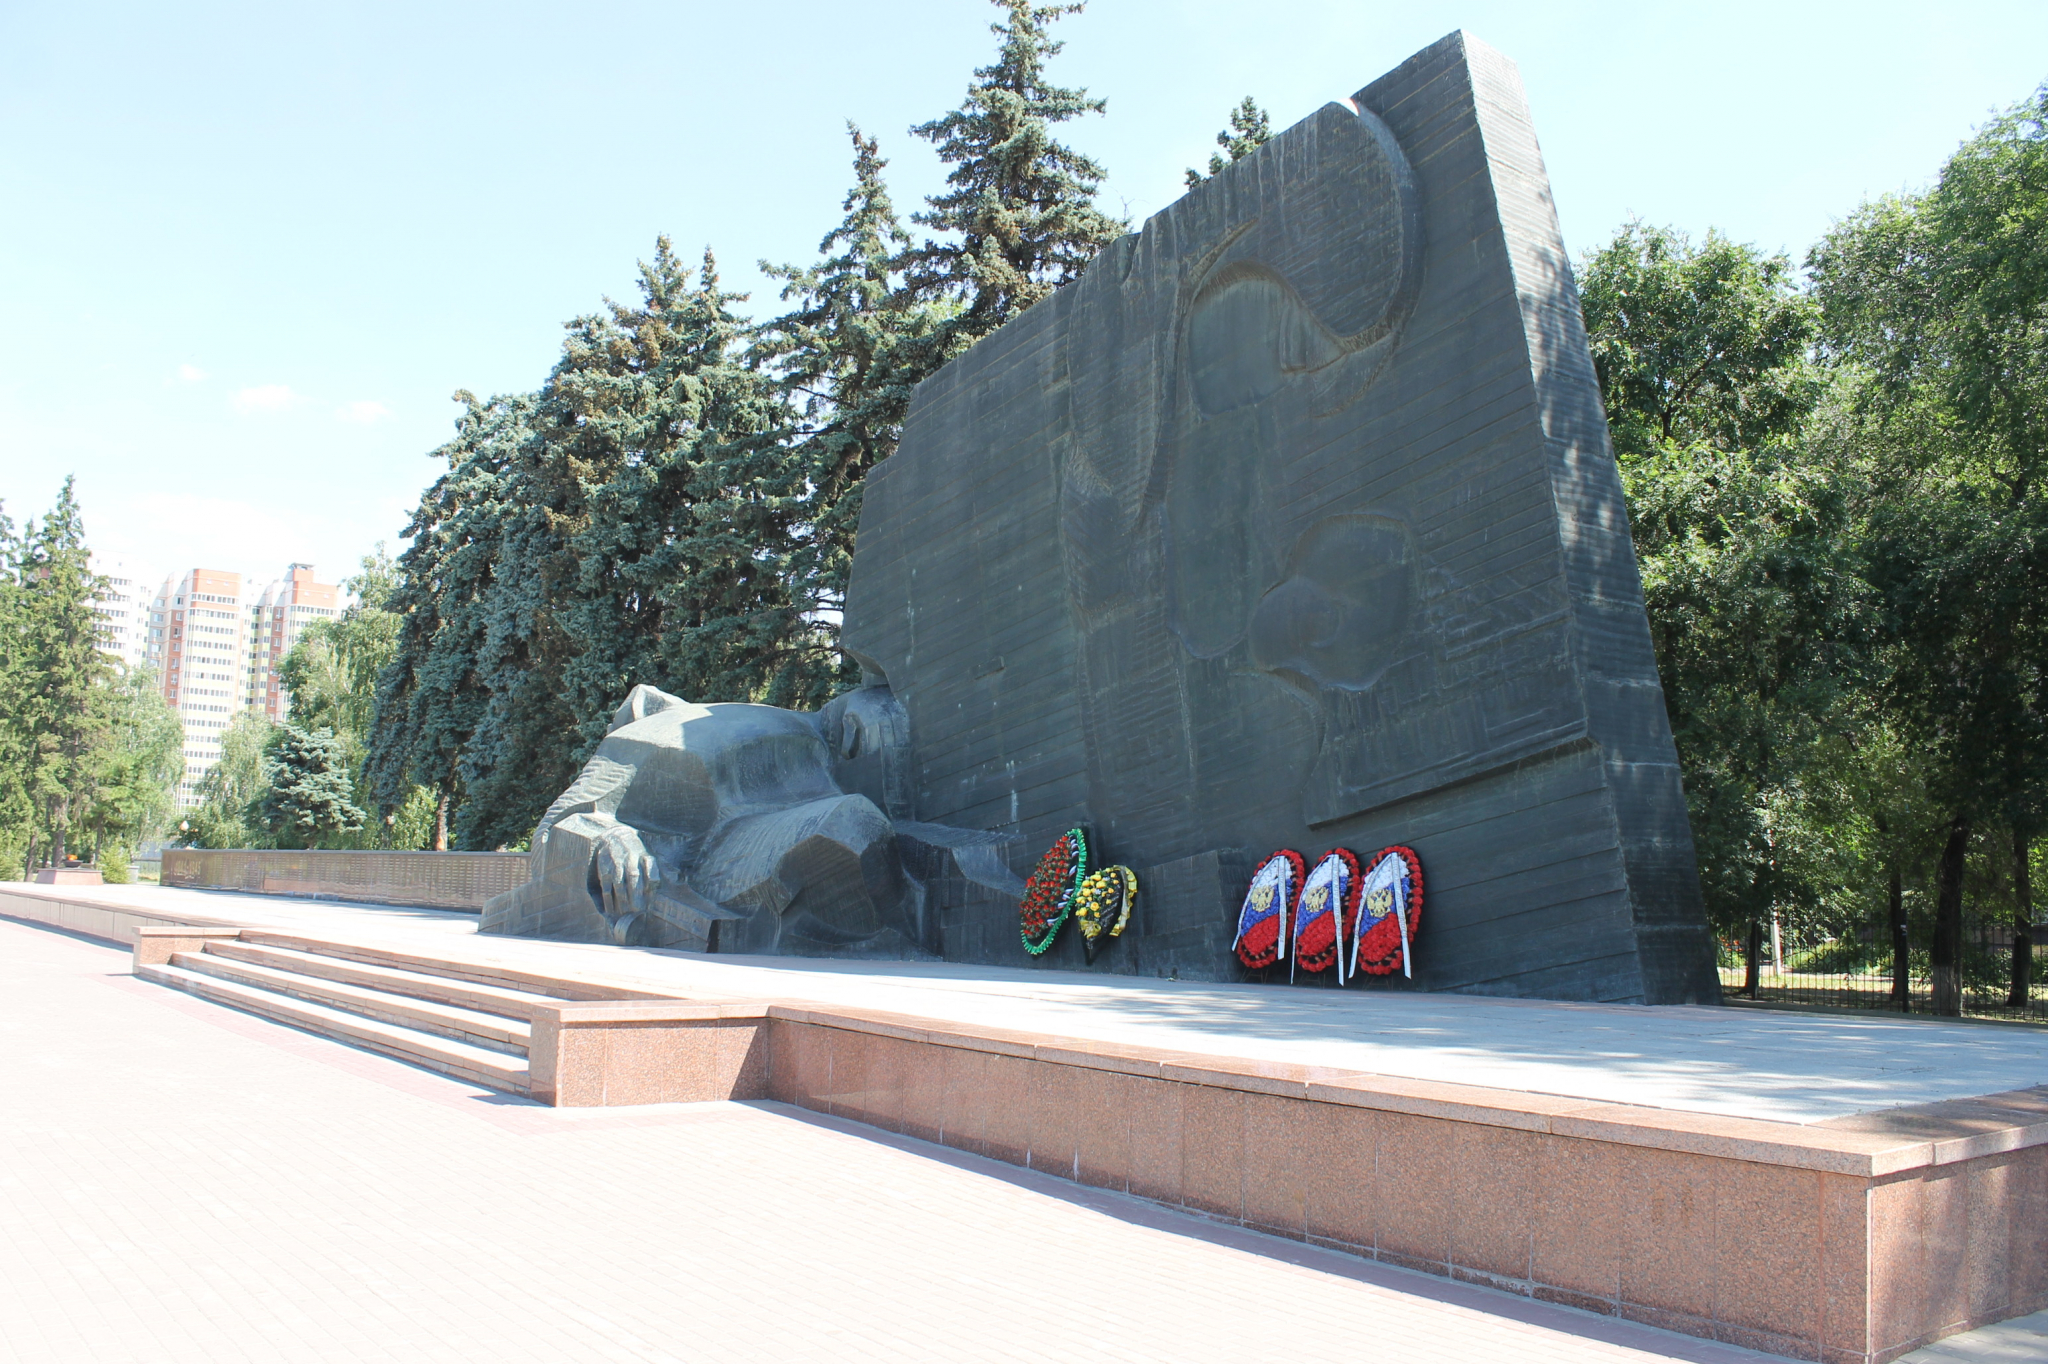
248 250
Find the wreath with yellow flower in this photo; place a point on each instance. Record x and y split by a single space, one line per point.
1102 906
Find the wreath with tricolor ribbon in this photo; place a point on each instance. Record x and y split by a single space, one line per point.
1049 894
1390 912
1327 920
1268 910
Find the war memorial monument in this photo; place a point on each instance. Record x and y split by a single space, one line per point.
1291 523
1288 532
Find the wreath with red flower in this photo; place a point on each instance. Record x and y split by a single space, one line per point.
1269 906
1390 914
1049 894
1329 912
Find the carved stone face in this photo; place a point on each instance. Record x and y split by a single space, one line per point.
1346 608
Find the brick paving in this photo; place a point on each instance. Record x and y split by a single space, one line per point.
181 1182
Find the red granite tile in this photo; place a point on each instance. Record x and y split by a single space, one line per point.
963 1080
1581 1219
1414 1183
1212 1149
1494 1201
1057 1095
1339 1194
1845 1263
1991 1187
1006 1108
1153 1127
1767 1274
2027 1248
1102 1127
1280 1163
1900 1269
1668 1250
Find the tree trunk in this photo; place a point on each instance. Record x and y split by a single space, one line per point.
1752 953
441 823
2022 992
1902 977
60 815
1946 951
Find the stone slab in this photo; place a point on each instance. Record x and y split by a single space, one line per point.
1293 523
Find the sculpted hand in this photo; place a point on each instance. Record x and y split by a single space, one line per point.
626 873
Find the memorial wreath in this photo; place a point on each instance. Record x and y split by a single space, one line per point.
1102 906
1049 895
1328 916
1269 907
1390 914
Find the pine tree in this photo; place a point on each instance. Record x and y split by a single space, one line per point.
59 719
846 357
1249 130
632 522
432 696
1020 210
655 443
308 797
17 812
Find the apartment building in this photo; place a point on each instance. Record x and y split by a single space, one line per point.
124 608
199 641
279 617
216 642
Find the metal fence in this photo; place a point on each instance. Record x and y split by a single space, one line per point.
1858 973
435 880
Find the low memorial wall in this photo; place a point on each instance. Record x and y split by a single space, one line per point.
432 880
89 917
1851 1241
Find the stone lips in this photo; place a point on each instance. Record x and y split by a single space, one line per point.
1293 522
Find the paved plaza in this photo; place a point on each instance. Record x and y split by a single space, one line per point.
181 1182
1779 1066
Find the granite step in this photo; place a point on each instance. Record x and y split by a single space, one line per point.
493 1031
476 973
481 1065
391 980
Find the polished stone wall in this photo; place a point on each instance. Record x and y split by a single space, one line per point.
1294 522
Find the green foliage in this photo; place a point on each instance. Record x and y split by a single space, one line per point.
1836 500
1940 302
57 719
677 504
1249 130
307 798
1020 210
1739 528
136 769
115 868
332 674
90 756
411 826
453 638
847 355
1701 345
232 789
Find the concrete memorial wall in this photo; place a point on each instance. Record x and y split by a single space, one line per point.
1294 522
